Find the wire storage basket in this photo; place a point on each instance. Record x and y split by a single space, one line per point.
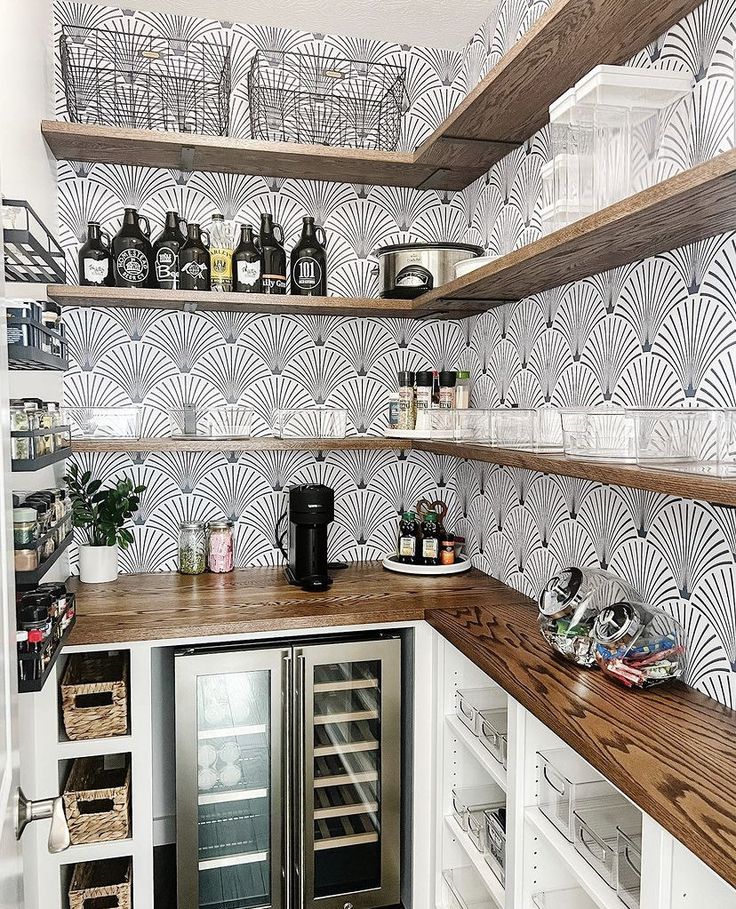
140 80
326 100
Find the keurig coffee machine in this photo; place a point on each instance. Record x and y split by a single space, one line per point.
311 510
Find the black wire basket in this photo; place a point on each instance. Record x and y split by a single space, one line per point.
326 100
32 255
143 81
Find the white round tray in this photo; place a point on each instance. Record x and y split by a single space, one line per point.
392 565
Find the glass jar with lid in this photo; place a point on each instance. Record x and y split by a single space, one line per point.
25 526
221 546
192 548
569 606
638 646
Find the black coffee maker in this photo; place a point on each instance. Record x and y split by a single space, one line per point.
311 510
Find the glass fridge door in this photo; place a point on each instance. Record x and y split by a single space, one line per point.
230 720
349 768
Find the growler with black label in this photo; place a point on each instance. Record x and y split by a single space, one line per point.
194 260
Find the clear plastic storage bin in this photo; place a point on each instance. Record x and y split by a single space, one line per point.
679 436
492 732
604 433
218 423
311 423
628 867
495 841
104 422
474 800
527 429
566 781
470 702
596 834
464 889
473 425
574 898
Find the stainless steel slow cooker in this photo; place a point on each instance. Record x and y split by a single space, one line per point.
407 270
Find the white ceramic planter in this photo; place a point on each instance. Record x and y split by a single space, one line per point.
98 564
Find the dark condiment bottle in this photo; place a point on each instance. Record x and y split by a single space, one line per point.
34 623
132 252
166 252
409 538
247 263
430 554
194 260
273 257
95 258
447 549
309 262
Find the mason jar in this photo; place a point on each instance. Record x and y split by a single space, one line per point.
192 548
221 549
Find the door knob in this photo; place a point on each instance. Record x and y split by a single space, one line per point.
28 811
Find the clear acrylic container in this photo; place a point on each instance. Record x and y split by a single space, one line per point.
103 422
628 865
569 605
574 898
495 841
439 424
679 436
464 889
218 423
638 646
566 782
492 728
474 800
470 702
527 429
311 423
473 425
603 433
596 834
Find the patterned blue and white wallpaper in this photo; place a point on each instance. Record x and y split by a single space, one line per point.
661 331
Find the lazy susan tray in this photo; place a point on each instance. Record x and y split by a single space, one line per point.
392 564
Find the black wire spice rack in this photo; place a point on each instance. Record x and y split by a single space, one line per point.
328 100
139 80
32 255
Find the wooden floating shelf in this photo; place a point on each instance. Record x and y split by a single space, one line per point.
718 490
691 206
213 301
506 108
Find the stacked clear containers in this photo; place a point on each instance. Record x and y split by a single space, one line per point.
484 712
569 606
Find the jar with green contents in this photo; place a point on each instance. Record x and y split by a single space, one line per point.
192 548
25 526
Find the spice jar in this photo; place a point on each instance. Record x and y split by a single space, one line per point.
58 593
638 646
407 403
19 316
221 549
569 606
27 558
447 389
25 526
34 623
51 320
425 382
447 550
462 390
192 548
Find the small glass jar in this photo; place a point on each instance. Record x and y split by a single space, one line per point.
638 646
27 558
569 606
462 390
448 380
51 320
221 546
192 548
22 448
25 526
407 416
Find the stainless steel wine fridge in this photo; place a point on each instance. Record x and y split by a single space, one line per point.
288 776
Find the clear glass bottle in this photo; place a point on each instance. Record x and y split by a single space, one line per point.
462 390
221 546
407 401
192 548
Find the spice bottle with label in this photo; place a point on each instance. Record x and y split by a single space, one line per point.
132 252
424 381
430 539
409 538
309 262
273 256
247 263
447 549
166 252
95 258
462 390
194 260
447 389
221 253
407 402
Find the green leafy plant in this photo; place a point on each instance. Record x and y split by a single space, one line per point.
103 513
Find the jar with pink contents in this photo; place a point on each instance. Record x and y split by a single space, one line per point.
221 549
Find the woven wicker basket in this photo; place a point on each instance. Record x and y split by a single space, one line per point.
94 696
95 882
97 799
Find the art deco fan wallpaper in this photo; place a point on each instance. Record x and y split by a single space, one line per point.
657 332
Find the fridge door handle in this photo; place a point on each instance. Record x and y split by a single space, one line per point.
301 770
287 720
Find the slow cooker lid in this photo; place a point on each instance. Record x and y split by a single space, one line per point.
405 247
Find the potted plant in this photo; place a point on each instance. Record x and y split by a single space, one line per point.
102 514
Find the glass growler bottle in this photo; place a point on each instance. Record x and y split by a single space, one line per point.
221 253
166 252
247 263
132 253
309 262
273 257
95 258
194 260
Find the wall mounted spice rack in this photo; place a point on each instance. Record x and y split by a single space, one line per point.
27 465
28 685
23 357
27 579
29 353
32 255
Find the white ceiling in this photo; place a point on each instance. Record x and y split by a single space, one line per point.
423 23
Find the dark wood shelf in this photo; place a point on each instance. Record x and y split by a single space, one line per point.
352 443
27 579
693 205
506 108
213 301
